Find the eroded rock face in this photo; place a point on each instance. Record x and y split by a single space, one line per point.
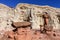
28 13
35 12
6 17
29 34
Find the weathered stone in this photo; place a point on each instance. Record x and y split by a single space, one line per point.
9 34
10 39
32 13
6 16
48 28
21 24
21 31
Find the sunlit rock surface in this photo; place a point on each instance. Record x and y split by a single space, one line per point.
6 17
24 12
37 11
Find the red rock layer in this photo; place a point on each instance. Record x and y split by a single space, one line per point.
29 34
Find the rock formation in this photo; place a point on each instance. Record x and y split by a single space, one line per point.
6 17
36 13
27 15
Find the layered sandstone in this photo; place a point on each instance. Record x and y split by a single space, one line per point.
27 20
35 12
